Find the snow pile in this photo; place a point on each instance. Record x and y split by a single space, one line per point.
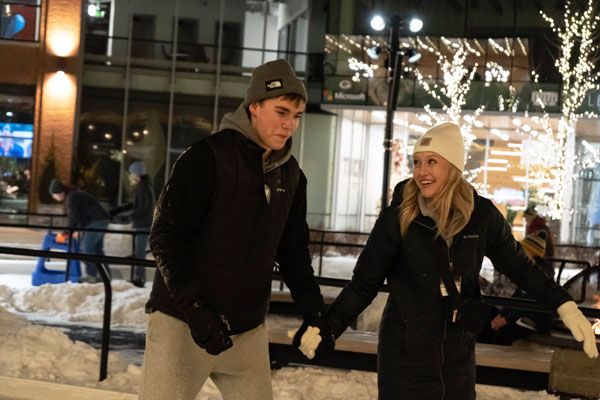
79 302
45 353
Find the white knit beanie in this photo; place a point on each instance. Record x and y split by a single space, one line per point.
446 140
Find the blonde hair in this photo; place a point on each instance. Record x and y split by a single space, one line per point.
453 204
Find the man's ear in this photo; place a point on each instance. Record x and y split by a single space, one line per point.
252 108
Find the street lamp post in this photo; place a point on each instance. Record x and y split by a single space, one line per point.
394 65
395 58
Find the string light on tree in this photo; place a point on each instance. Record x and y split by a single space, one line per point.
576 65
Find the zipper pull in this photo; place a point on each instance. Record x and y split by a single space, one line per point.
454 315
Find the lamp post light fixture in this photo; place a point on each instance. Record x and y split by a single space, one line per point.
395 57
378 23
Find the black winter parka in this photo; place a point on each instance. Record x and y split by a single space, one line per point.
421 355
216 236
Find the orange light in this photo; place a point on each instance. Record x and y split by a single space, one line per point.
60 86
596 327
63 43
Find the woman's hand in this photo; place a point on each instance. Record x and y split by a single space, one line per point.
579 326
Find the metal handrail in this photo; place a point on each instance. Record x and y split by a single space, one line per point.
513 302
103 261
72 230
101 265
30 214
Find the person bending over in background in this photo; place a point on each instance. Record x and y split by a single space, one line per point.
436 226
84 211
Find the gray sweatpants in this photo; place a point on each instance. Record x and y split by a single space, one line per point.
175 368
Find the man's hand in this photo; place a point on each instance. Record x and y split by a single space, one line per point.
580 327
207 328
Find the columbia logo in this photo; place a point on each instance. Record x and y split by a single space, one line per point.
274 84
280 190
470 236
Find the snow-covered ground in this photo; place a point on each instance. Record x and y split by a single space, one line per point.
46 353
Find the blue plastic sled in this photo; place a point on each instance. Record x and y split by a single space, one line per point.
42 275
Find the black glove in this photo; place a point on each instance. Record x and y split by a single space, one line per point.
318 319
207 328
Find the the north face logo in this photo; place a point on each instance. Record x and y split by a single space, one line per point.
274 84
280 190
426 141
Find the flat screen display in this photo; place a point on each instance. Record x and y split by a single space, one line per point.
15 140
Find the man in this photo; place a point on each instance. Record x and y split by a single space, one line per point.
139 213
234 205
83 211
534 224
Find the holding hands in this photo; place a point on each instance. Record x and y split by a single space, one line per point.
308 342
314 337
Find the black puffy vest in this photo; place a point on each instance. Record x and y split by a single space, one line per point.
238 240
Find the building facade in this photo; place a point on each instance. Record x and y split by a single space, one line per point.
92 86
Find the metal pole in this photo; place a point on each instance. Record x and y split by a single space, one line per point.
172 90
218 74
264 38
395 64
127 84
105 275
485 162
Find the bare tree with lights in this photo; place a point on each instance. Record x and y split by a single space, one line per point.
576 64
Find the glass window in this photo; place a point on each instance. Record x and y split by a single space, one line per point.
16 139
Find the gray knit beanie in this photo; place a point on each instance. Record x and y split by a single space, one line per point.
273 79
138 168
56 187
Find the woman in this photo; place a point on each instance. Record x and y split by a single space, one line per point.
422 353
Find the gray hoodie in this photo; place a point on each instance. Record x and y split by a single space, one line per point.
240 121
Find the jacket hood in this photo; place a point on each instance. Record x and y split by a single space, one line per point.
240 121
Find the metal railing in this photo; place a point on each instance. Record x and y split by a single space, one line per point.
70 231
102 266
30 214
584 273
103 261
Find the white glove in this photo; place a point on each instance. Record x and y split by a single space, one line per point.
309 341
580 327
